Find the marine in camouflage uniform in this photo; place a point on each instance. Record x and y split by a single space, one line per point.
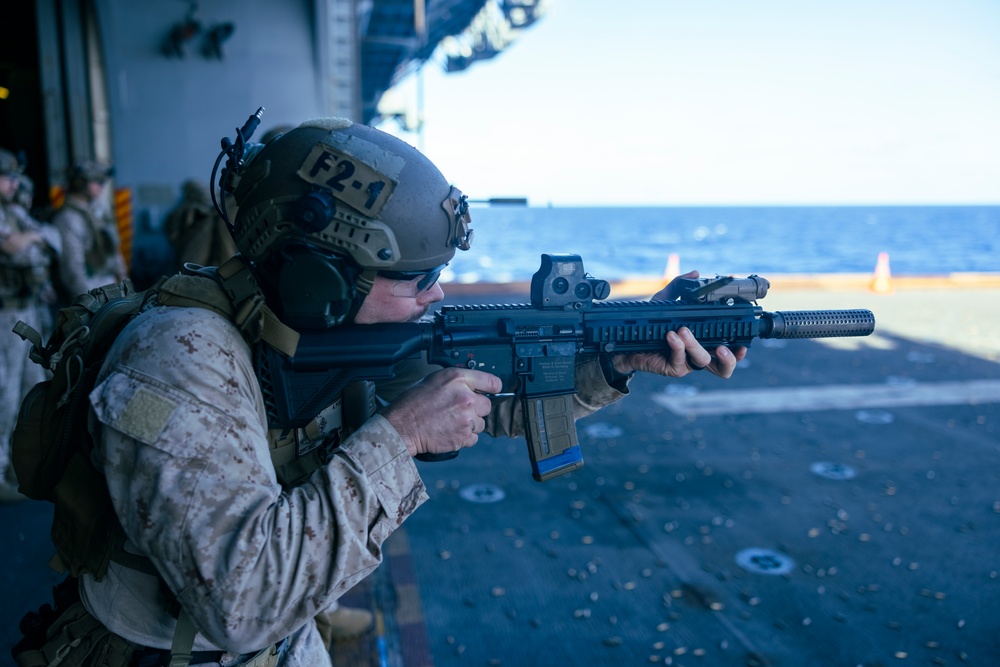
254 530
91 255
187 454
27 248
197 233
25 195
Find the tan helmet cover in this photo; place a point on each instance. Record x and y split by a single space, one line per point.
9 165
87 171
392 208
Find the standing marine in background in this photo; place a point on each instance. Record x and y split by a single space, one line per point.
27 249
25 195
91 254
197 233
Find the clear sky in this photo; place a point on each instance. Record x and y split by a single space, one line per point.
662 102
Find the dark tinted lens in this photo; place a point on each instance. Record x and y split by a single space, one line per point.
427 278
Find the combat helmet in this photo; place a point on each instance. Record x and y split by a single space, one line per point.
325 207
87 171
9 164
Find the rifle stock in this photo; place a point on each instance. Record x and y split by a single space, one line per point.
534 347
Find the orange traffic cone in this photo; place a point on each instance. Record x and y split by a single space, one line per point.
881 283
673 267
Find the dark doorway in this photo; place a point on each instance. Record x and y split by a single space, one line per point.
22 130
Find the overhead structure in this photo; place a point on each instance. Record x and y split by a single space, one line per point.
495 27
399 36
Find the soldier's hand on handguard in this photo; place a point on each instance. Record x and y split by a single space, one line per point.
686 353
445 411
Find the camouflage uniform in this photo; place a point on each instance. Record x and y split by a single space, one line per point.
91 254
24 286
182 438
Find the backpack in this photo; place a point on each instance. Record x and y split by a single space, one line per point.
51 444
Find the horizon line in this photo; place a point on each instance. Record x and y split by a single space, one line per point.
529 204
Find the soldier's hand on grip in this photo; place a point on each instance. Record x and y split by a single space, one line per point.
444 412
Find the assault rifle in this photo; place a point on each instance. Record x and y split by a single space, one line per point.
533 347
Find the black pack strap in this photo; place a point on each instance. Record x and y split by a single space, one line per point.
30 334
130 560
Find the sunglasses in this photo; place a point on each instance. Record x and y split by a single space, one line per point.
411 283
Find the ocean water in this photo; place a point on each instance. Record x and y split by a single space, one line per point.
617 243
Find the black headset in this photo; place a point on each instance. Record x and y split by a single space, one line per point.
316 288
314 210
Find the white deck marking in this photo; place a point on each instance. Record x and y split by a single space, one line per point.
832 397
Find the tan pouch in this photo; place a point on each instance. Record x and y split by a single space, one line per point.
77 639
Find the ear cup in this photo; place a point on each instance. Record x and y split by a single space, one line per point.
314 210
315 290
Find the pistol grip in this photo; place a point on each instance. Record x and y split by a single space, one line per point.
550 429
435 458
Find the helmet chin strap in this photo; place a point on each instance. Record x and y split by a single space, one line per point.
363 287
